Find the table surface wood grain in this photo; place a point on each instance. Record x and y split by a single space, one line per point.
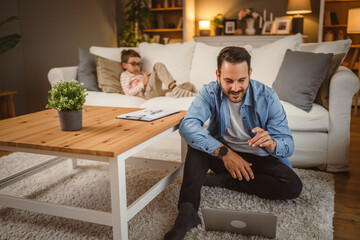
101 135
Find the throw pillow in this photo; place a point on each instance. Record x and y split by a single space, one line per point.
86 72
266 60
177 58
111 53
335 47
205 55
109 75
300 77
322 96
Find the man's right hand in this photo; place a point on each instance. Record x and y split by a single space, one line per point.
237 166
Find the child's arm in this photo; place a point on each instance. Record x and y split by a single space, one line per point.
127 86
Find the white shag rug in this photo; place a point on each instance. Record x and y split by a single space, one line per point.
308 217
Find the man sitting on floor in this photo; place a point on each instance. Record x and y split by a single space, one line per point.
247 144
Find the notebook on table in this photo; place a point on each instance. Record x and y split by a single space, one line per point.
147 114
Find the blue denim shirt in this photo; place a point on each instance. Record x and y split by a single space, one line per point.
261 108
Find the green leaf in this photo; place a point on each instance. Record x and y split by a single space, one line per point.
9 42
9 19
66 96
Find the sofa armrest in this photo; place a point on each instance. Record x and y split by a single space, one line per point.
344 84
62 73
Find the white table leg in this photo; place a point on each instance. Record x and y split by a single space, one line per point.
72 163
118 198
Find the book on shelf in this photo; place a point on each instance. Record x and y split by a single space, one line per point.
334 19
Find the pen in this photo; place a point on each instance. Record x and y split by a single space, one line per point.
155 112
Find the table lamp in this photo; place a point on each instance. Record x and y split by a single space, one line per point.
353 27
353 22
298 7
204 27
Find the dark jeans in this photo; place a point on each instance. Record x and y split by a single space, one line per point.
272 179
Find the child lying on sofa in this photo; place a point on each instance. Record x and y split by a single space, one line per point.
148 85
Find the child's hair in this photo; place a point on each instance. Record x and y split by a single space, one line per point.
126 54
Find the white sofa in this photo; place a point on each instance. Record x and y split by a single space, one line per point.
321 136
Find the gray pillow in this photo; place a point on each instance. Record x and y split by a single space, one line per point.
322 96
87 71
300 77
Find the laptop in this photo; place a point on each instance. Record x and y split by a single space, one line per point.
247 223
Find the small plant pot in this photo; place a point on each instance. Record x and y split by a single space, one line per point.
70 120
218 31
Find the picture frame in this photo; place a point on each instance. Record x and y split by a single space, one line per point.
267 28
229 27
283 25
156 38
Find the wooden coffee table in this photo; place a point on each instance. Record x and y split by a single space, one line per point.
102 138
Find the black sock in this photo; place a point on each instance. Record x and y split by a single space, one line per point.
186 220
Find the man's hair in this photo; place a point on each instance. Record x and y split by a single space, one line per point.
126 54
233 55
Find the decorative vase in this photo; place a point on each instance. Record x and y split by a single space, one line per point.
70 120
250 30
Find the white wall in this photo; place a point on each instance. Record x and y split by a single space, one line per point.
51 33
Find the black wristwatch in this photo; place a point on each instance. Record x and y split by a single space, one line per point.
222 152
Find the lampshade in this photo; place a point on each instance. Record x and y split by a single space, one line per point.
298 7
204 25
353 23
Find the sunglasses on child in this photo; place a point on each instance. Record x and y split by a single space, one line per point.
134 64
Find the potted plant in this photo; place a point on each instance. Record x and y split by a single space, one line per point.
217 23
137 18
68 98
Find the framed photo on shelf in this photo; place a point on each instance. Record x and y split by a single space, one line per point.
156 38
267 28
230 26
283 25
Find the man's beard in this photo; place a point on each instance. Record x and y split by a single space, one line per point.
231 98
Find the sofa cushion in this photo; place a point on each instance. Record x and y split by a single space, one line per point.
322 97
109 52
109 75
176 57
266 60
335 47
204 64
168 103
86 72
112 100
317 120
300 77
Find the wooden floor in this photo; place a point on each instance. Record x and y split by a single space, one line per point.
347 187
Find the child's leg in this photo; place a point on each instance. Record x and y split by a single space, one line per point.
158 76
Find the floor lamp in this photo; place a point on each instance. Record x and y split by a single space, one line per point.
353 27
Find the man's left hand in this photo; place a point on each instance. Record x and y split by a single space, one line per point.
262 139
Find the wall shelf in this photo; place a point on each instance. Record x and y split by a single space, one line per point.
163 30
166 9
335 26
340 1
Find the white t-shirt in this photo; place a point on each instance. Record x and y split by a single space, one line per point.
236 135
